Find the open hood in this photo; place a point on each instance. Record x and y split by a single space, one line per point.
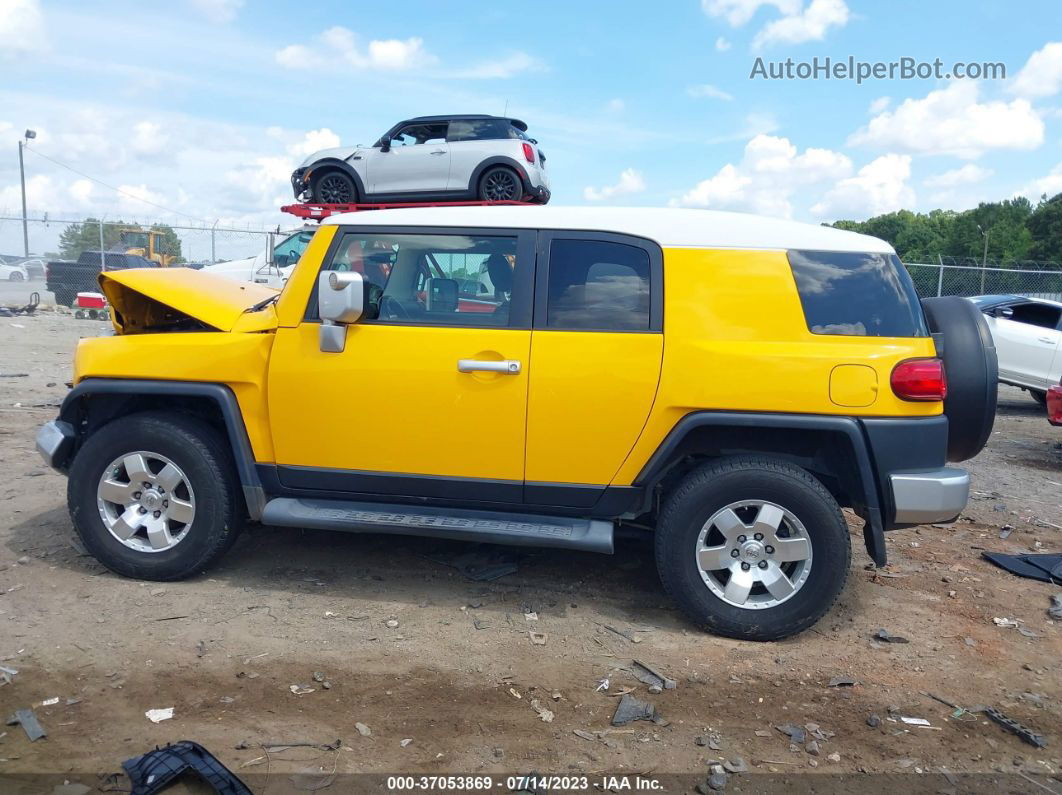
180 299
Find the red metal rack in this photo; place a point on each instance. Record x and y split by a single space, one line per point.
316 212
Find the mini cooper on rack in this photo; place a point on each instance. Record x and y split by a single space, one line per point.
722 383
470 157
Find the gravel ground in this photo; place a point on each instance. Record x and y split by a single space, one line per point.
413 649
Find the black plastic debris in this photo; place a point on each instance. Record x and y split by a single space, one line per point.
647 675
28 720
1024 732
843 681
631 709
884 636
156 770
1045 568
798 734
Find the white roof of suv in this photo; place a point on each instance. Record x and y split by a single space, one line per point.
670 227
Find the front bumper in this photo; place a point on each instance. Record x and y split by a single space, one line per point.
55 441
937 495
298 183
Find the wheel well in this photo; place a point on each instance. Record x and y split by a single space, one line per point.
828 455
93 411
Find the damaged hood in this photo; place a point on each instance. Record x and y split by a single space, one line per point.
179 299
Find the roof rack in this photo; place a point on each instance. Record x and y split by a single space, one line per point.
316 212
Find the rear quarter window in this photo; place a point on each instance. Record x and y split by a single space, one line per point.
857 294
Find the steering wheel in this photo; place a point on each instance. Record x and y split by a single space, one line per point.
392 307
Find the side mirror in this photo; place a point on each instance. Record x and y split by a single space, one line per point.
341 298
385 144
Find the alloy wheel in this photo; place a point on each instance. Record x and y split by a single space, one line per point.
334 189
501 185
146 501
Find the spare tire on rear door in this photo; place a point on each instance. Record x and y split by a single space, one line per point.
971 369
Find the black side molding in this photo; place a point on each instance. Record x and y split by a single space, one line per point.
70 412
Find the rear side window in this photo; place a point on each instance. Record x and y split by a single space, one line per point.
597 285
478 129
857 295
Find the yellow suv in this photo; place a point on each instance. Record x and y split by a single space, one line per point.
538 376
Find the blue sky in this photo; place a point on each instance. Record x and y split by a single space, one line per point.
203 107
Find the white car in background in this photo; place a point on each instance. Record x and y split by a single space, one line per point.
263 269
470 157
1028 337
13 273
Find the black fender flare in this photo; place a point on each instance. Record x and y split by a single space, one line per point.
340 165
498 160
72 412
669 451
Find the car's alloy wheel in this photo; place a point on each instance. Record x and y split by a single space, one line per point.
500 184
15 276
334 188
146 501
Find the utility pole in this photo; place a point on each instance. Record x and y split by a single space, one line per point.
30 134
984 258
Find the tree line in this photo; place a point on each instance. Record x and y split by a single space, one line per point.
1017 232
86 237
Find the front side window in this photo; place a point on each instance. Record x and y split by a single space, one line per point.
433 279
288 251
598 285
857 294
417 134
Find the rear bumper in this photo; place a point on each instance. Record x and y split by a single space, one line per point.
937 495
55 441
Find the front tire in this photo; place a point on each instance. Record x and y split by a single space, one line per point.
752 548
154 496
333 187
500 184
15 276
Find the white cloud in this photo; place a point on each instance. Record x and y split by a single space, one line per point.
314 141
755 124
967 175
339 45
1042 74
879 187
1049 185
738 12
630 181
809 24
81 192
770 172
722 44
708 90
616 105
952 121
218 11
21 29
501 68
879 105
148 139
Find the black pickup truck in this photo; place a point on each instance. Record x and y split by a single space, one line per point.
67 278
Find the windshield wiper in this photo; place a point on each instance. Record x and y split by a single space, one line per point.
263 304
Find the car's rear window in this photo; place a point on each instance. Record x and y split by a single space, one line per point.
855 294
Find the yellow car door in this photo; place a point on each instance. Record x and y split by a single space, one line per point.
595 361
429 397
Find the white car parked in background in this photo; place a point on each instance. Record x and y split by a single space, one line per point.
263 269
471 157
13 273
1028 337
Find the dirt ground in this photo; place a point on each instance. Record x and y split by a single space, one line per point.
413 649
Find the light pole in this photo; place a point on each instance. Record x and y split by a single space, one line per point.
30 135
984 257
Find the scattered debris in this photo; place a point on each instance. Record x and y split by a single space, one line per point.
843 681
276 748
159 715
631 709
156 770
1045 568
585 734
649 676
602 685
834 757
301 690
736 765
627 635
482 563
1008 623
391 623
812 747
27 718
1055 610
406 742
363 730
318 676
49 702
884 636
1024 732
1006 530
795 733
717 778
530 615
6 674
544 714
874 721
537 638
915 721
200 649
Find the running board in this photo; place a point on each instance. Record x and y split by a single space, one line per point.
493 527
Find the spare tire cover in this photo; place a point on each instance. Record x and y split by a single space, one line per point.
971 369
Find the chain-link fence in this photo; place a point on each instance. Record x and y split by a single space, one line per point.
67 255
1028 279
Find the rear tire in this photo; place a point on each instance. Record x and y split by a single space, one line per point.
176 460
694 536
333 187
500 184
1039 397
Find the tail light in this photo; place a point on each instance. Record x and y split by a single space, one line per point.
919 379
529 153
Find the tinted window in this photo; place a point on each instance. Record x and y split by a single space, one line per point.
463 280
478 129
597 285
1043 315
862 295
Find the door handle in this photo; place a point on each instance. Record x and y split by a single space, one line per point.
506 366
439 152
1048 340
